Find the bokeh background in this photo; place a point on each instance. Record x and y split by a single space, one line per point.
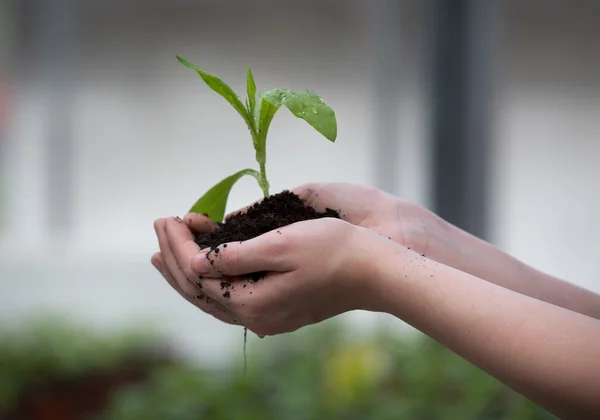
484 111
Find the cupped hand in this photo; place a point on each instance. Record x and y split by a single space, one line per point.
176 243
406 223
313 270
403 222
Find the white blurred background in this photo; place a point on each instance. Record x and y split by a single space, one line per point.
103 132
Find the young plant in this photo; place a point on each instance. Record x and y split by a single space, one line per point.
258 112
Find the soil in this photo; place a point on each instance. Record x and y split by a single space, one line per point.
271 213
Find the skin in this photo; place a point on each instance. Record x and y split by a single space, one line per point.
537 334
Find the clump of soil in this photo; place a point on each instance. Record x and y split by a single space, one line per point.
274 212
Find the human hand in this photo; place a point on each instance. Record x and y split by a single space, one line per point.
315 270
176 243
367 207
406 223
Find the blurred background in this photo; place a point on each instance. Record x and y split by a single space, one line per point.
484 111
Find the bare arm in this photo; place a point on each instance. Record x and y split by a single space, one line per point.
456 248
549 354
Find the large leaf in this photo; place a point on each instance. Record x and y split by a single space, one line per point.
214 201
220 87
308 106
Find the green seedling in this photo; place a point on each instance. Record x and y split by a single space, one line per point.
258 112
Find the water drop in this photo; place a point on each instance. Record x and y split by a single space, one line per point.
315 111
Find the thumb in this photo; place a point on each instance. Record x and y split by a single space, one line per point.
199 223
320 196
239 258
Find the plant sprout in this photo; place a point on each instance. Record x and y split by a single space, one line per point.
258 112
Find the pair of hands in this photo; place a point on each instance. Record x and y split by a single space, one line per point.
315 269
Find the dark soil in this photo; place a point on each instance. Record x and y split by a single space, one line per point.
274 212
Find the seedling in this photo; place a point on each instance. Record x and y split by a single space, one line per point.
258 112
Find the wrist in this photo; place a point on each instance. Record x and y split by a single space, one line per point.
401 281
432 236
413 225
376 270
456 248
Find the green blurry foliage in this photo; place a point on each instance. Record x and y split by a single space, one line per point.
320 372
50 349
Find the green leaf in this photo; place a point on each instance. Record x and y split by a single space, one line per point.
308 106
214 201
305 105
269 102
251 87
220 87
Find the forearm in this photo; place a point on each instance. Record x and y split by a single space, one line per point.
456 248
547 353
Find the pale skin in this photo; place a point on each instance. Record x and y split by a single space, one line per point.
537 334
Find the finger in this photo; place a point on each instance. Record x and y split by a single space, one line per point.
199 300
181 243
159 263
306 191
317 195
171 263
230 292
260 254
199 223
182 248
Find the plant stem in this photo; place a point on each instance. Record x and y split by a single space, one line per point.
261 159
264 184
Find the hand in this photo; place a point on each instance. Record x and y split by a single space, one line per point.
406 223
176 243
314 270
368 207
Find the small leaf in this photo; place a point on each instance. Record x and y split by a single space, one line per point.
251 87
214 201
220 87
270 102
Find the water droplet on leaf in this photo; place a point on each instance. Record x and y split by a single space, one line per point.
315 111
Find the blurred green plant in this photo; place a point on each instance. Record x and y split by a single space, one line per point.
44 351
323 373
